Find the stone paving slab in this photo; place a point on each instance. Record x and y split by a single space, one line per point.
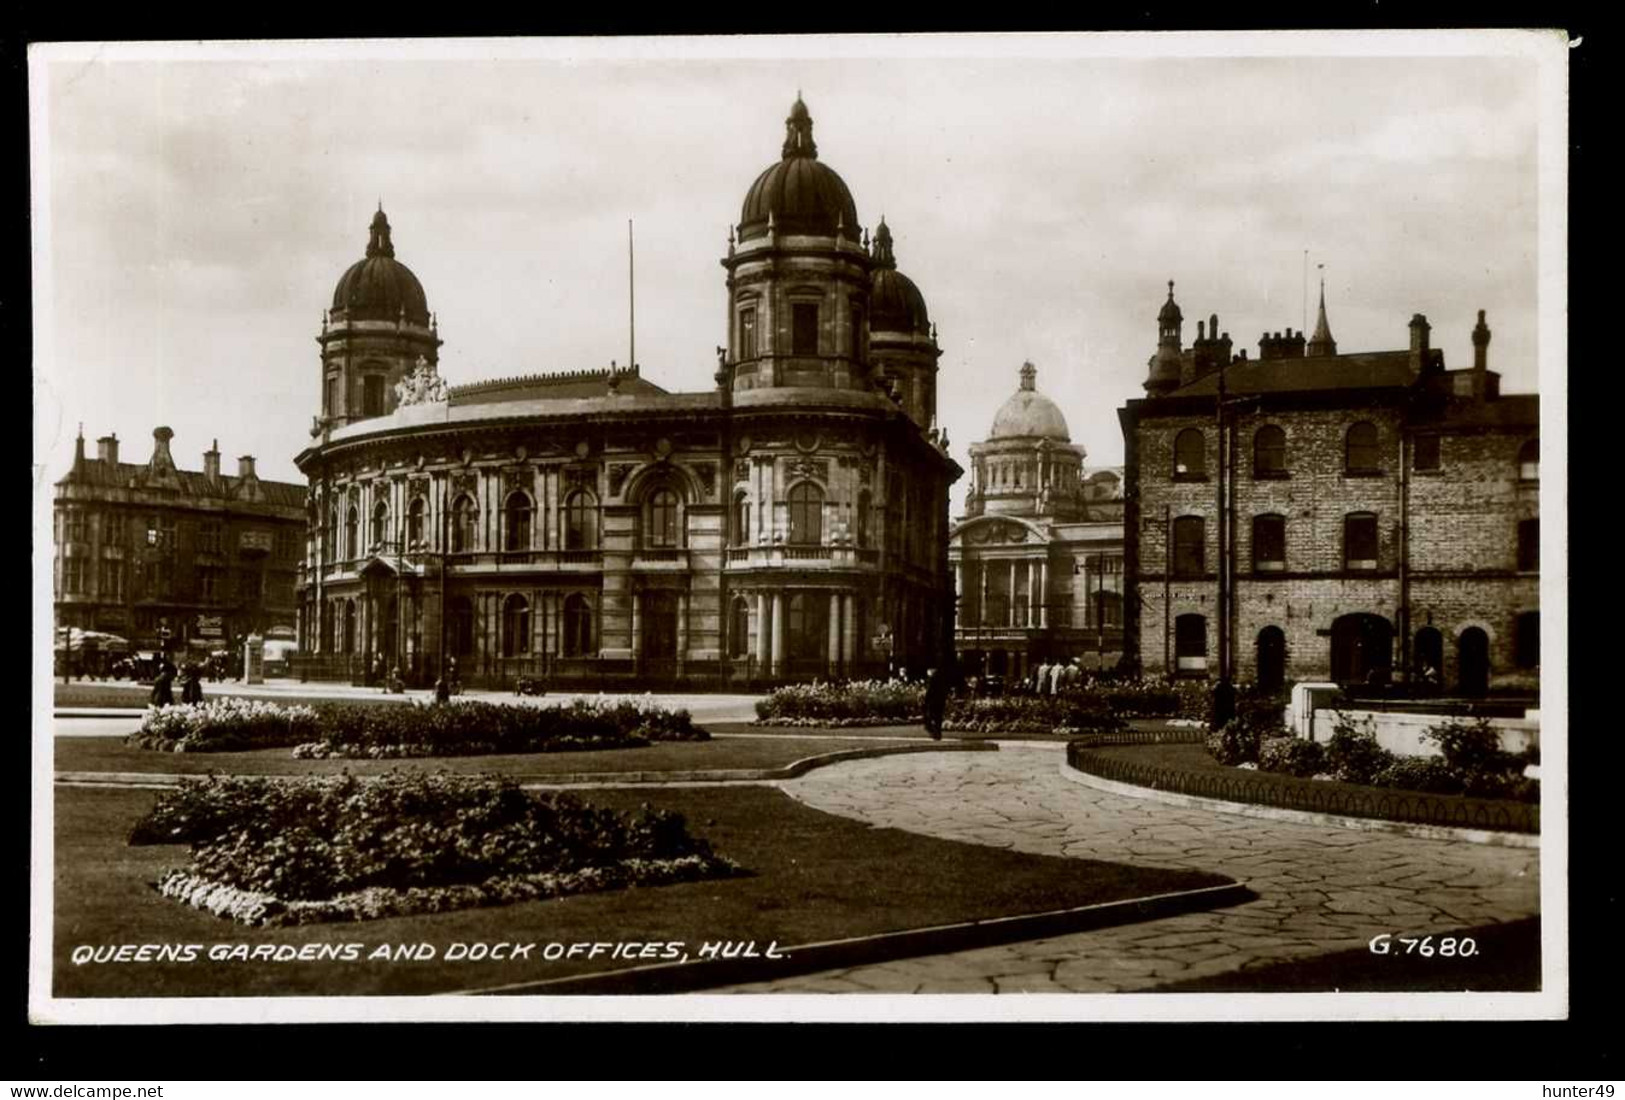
1321 889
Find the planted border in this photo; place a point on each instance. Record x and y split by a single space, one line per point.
1288 792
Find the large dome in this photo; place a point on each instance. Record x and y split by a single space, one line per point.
379 287
895 303
803 195
1029 414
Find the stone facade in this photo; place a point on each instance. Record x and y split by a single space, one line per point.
1374 511
591 527
169 558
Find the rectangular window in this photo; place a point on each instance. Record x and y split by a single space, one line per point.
73 575
1427 452
73 527
205 584
208 537
332 397
1189 535
804 328
248 585
1529 546
112 580
1269 544
1360 541
747 333
372 395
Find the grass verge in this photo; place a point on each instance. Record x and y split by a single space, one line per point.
1507 960
111 754
816 877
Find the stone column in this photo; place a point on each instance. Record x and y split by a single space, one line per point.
1012 592
1043 589
849 632
682 630
834 634
778 634
637 628
1032 594
762 627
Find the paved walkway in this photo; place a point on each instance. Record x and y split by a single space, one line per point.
1322 889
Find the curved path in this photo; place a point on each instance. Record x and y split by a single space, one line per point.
1321 888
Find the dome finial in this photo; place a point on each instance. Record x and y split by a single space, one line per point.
378 243
798 139
883 247
1029 376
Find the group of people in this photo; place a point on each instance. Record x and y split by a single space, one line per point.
163 684
1052 679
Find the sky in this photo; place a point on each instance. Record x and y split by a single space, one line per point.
195 205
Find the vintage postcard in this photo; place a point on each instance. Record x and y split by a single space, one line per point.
987 527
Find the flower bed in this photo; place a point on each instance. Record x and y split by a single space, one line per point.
466 727
299 851
224 725
1065 714
857 703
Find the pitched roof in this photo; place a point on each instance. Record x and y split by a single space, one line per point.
542 387
1365 370
193 483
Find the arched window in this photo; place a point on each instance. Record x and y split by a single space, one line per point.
352 533
577 626
660 525
380 523
349 626
460 625
1190 455
516 522
865 503
1529 546
1269 452
1360 540
1269 543
330 535
1271 658
414 521
807 514
515 626
1529 461
580 521
740 534
464 520
372 395
1526 639
1428 656
1360 449
1189 536
739 628
807 625
328 641
1190 643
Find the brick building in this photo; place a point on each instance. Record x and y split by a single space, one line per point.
788 523
1038 555
164 557
1363 516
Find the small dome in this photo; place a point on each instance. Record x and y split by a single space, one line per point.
803 195
1029 414
379 287
895 303
1170 314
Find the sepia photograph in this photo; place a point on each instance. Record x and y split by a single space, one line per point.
807 528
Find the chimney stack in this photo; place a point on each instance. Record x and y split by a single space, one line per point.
107 449
245 468
211 462
161 458
1420 352
1481 344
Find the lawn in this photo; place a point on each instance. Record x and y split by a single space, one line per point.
126 694
1506 960
1195 759
815 877
111 754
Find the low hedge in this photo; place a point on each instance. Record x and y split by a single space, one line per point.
1066 713
277 852
462 727
855 703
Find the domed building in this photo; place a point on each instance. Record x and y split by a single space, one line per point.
1038 555
592 528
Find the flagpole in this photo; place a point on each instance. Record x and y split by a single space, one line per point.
631 301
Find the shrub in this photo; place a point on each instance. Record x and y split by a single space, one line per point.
1291 756
227 724
1066 713
857 703
1236 743
261 847
1427 774
1353 754
1261 712
1471 746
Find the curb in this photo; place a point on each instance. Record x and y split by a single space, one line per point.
1492 837
681 977
793 770
100 712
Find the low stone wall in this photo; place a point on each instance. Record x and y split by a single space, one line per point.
1403 734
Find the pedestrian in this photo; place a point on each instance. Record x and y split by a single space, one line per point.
442 692
191 684
1041 678
936 702
163 693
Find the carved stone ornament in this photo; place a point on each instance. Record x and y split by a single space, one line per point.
662 448
806 441
706 472
743 445
464 481
865 474
468 456
520 452
517 477
583 449
809 467
353 494
580 477
417 486
618 473
380 490
741 470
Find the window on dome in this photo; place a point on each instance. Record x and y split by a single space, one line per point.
332 397
747 333
372 395
857 331
804 328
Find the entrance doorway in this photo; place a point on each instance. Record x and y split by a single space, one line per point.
659 626
1271 658
1362 649
1473 662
